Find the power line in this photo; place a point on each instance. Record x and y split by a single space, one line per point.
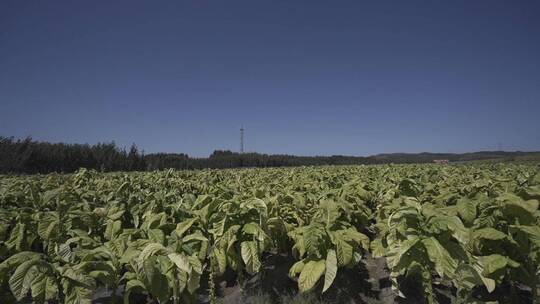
242 139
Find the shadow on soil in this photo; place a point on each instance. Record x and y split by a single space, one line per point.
366 283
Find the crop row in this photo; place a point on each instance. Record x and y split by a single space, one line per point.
170 235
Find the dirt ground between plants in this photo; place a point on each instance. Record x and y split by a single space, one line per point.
366 283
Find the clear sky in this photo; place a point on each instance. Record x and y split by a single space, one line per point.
304 77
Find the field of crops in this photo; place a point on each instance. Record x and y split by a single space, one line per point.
461 234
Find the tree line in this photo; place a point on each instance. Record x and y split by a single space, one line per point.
30 156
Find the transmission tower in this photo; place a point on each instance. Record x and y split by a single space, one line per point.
242 139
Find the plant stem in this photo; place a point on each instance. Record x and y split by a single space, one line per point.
211 283
175 287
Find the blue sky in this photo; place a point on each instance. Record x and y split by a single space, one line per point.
303 77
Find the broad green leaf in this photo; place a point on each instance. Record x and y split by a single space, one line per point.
257 204
250 255
344 252
156 235
150 250
48 224
357 237
296 268
403 250
181 261
488 234
17 259
329 212
195 264
184 226
466 209
377 248
64 252
445 265
493 263
330 269
182 280
17 279
78 295
115 215
221 260
467 277
313 235
532 233
193 282
489 283
310 274
78 277
112 229
44 289
255 230
156 282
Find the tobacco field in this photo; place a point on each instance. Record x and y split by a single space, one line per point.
440 233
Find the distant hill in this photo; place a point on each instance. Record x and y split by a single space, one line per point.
228 159
425 157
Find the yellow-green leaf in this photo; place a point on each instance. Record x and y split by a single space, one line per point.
331 269
310 274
